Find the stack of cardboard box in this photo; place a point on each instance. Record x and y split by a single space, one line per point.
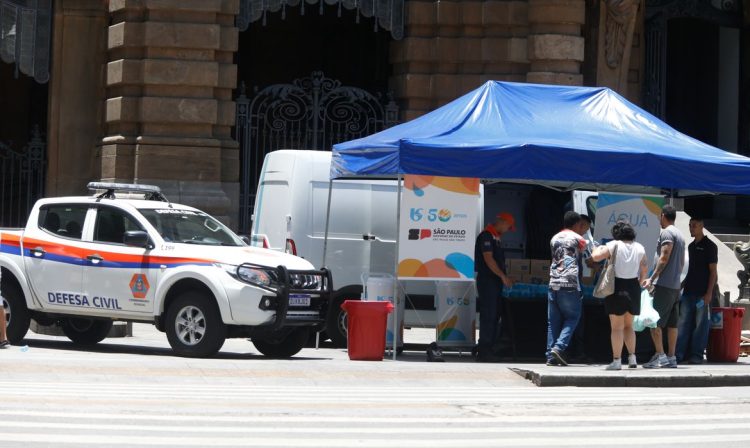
539 273
522 270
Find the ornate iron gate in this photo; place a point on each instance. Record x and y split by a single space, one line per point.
22 173
310 113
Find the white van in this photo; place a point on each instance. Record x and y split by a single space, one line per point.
290 215
290 212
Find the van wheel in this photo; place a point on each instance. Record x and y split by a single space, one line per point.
86 331
17 317
336 323
282 347
194 327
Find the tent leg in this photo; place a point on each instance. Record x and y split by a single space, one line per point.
328 219
396 327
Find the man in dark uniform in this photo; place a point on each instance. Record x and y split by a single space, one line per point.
697 293
489 262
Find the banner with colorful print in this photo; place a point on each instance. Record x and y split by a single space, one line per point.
457 314
642 211
438 228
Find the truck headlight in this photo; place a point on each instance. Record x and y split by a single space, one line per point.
230 269
255 276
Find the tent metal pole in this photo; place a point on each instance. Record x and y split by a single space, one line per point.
325 244
328 219
396 326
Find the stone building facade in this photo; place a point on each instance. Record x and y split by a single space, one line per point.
145 90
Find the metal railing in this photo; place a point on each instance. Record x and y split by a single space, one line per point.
22 179
314 112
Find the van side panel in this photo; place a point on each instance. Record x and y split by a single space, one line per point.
348 252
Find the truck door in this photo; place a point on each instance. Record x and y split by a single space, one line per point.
116 277
53 256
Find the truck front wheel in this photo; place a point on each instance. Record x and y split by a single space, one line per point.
194 327
17 316
282 346
86 331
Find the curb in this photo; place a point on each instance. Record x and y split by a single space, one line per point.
705 380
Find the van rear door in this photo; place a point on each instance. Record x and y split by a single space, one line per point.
273 203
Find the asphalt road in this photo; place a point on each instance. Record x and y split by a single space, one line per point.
134 392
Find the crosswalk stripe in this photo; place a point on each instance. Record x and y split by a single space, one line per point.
250 419
214 386
108 440
274 431
283 390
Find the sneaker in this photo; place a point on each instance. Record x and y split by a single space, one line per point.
558 356
695 360
553 362
632 362
657 361
671 362
4 344
614 365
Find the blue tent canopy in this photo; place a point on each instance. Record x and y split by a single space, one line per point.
557 136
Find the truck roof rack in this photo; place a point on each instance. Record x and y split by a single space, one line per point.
150 192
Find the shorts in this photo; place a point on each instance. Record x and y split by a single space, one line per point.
626 299
667 303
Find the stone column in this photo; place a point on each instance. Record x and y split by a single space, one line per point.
451 47
556 46
615 46
76 93
169 108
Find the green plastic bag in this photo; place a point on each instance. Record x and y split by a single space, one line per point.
649 316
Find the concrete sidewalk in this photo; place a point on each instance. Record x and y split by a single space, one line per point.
706 375
594 375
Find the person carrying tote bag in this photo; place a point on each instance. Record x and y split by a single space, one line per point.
606 284
629 267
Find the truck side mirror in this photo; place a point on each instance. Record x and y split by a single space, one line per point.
136 238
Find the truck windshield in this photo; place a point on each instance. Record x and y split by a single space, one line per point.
190 227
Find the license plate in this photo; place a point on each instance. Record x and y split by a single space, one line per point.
299 300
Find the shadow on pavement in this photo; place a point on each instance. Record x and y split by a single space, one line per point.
107 347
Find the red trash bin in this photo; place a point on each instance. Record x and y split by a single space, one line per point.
726 332
366 323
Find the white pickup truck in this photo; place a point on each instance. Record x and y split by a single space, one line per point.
84 262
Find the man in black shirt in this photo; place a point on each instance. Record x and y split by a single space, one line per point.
489 262
698 289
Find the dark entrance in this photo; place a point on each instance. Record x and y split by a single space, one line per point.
307 82
692 79
692 89
23 120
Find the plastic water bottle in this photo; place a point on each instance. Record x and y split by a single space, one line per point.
25 348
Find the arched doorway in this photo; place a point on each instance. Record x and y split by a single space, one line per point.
23 121
25 29
309 79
